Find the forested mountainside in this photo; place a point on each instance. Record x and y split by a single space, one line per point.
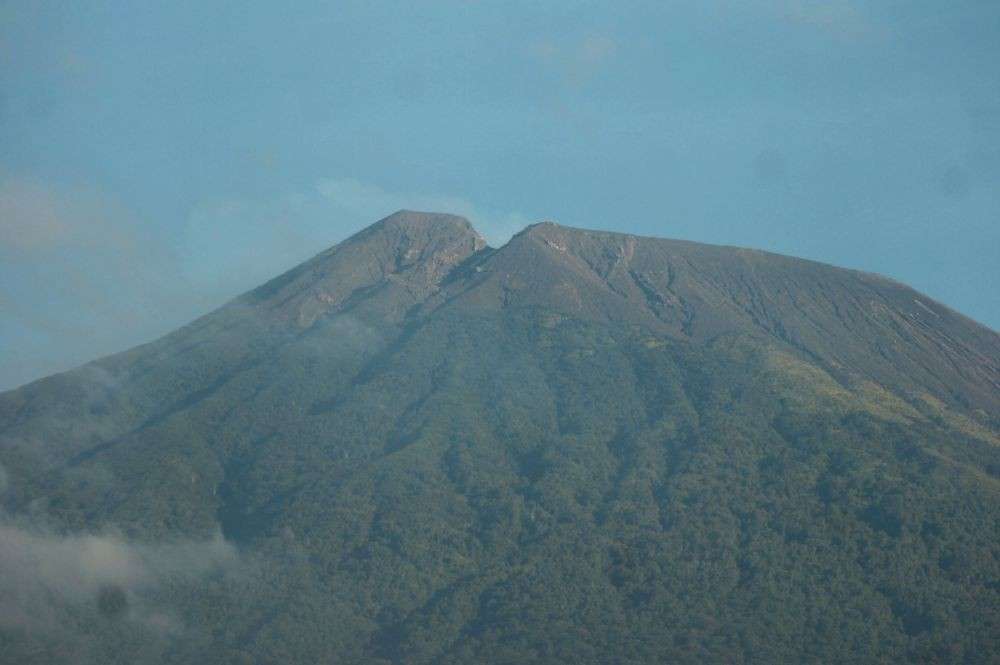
581 447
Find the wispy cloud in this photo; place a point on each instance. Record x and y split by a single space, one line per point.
36 217
238 243
81 276
841 18
54 586
74 264
373 202
575 60
29 217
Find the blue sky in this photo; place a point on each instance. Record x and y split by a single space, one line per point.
157 159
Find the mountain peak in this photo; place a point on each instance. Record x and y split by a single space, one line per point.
542 226
415 219
405 256
853 325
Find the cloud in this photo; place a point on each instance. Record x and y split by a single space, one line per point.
81 276
75 265
575 60
29 217
236 244
73 567
35 217
596 49
373 202
52 585
825 13
842 19
75 233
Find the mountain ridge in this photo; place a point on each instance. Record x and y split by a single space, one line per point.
410 263
425 221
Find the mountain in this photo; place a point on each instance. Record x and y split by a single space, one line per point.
581 447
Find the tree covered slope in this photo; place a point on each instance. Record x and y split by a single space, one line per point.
581 447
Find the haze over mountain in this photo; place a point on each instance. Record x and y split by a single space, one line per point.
579 447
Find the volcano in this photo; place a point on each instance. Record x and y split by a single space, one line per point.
581 447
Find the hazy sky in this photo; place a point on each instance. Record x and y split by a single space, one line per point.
157 160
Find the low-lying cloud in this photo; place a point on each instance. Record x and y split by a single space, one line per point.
55 589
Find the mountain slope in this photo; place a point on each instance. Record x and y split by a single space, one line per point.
580 447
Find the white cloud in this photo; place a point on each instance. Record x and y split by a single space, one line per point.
575 60
81 277
76 267
43 574
841 18
373 202
35 217
29 216
234 245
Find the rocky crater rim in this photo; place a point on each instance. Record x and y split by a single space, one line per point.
549 231
421 219
450 239
425 221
